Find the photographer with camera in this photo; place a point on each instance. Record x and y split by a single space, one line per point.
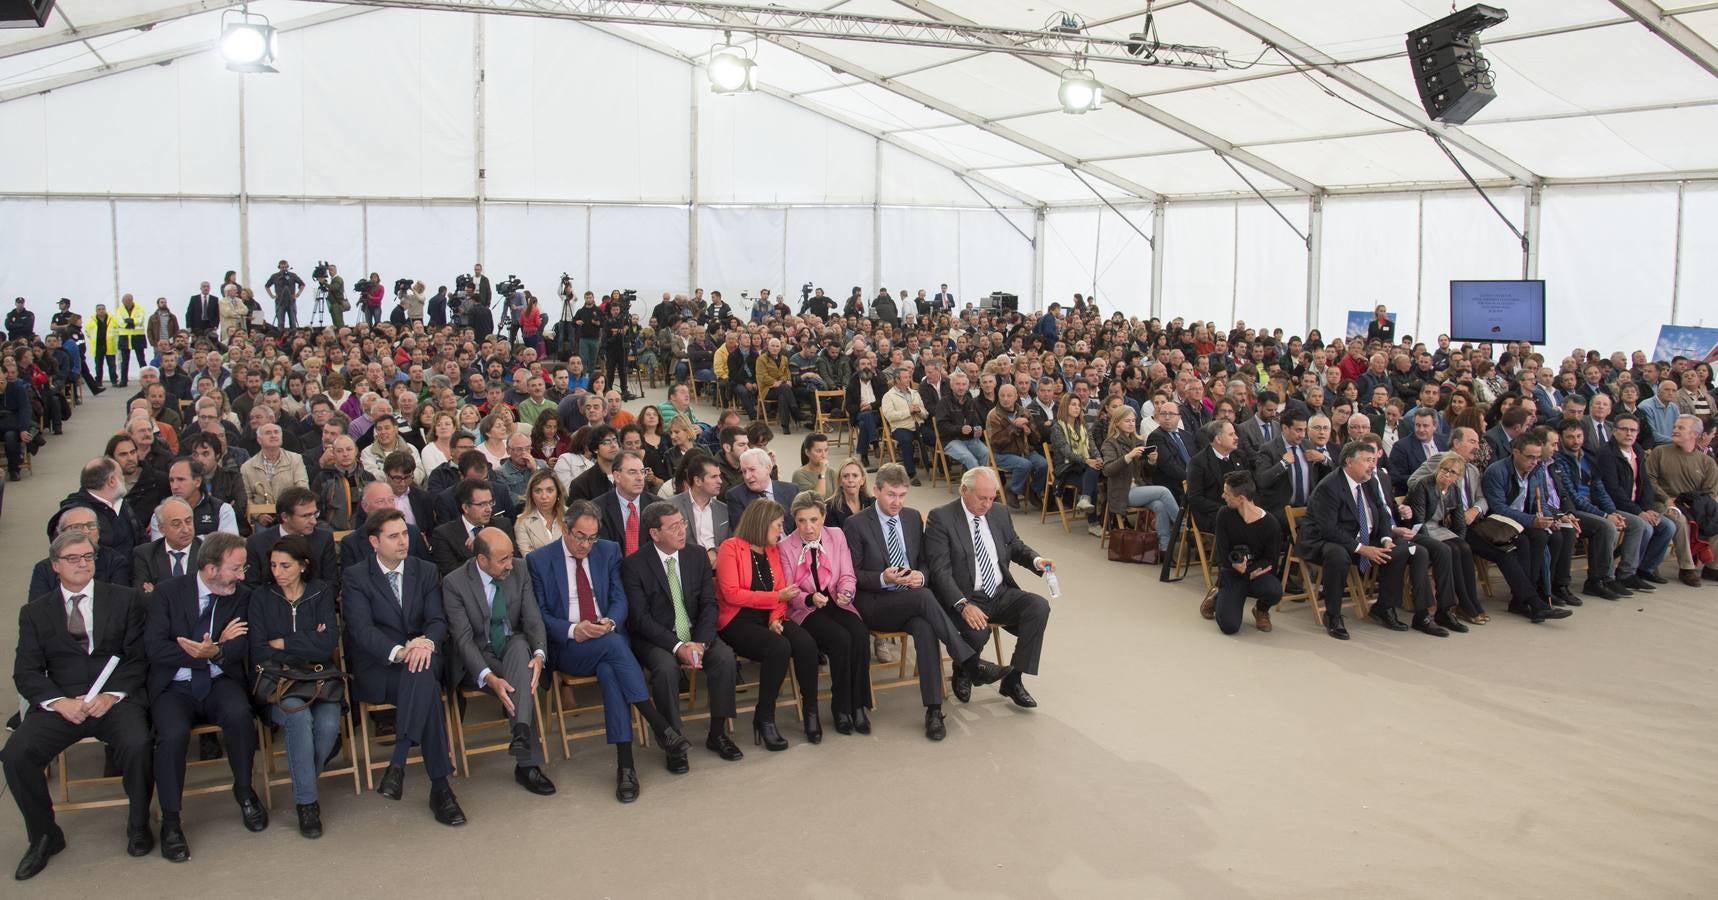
1249 542
617 333
370 296
284 286
411 299
587 326
330 293
814 302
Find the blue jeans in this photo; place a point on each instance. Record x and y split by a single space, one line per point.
1657 542
1022 470
285 311
906 448
867 425
969 452
1162 505
309 740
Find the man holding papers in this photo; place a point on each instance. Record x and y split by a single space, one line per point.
67 638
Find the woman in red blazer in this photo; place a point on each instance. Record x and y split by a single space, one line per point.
752 592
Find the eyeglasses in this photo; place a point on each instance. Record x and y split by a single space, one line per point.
399 476
481 505
578 538
80 559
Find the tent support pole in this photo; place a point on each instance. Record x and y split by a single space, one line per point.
1157 235
1314 256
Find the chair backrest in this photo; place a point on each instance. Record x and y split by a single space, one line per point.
1294 514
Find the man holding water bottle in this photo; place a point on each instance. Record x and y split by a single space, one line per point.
969 544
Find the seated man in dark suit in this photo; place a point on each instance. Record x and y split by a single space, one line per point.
1281 470
65 638
472 465
496 633
1349 521
1205 474
296 508
112 566
756 484
412 501
355 547
673 623
890 565
396 627
969 544
451 541
622 505
1412 450
1174 446
578 588
171 555
198 674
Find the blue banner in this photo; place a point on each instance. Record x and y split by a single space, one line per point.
1698 344
1361 319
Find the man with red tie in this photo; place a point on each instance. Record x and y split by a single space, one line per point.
620 506
577 584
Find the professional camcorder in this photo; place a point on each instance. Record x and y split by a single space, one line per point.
509 287
402 285
321 270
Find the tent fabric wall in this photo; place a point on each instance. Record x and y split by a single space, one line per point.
537 242
1371 256
1270 265
1462 239
832 247
165 245
54 249
1199 261
643 248
1697 290
1609 265
741 249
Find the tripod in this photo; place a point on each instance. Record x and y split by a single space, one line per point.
319 308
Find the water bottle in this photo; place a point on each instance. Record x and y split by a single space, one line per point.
1050 582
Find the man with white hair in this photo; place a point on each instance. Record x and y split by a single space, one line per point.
1678 468
756 484
969 543
272 470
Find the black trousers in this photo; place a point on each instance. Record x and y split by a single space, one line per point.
43 735
175 711
419 717
1335 560
102 356
1456 582
1233 589
663 672
1020 613
1517 565
129 344
917 612
843 637
616 356
750 635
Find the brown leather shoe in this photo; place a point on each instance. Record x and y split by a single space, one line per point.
1690 577
1208 606
1262 618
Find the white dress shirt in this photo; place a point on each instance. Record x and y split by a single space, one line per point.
488 585
703 525
86 606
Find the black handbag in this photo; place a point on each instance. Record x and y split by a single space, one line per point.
1498 530
309 682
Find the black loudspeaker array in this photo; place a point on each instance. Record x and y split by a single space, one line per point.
25 13
1453 76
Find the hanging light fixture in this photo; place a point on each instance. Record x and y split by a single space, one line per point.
731 69
248 42
1080 92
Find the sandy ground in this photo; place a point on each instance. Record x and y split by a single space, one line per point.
1563 760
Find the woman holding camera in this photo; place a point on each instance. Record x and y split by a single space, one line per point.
1249 542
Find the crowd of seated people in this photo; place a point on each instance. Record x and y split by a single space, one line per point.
436 508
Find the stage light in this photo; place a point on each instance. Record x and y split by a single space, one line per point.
1080 92
248 42
731 70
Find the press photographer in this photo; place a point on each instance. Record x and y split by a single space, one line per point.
617 334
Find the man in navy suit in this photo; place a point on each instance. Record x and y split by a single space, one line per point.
756 484
355 547
578 588
1411 451
198 673
396 627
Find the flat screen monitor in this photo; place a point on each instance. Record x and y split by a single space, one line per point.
1497 311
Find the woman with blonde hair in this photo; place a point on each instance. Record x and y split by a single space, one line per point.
539 517
851 496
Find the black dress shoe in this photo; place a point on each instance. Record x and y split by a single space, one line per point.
961 686
679 765
1423 624
1635 583
934 727
626 784
1386 618
1556 613
720 745
861 721
673 742
252 812
1333 626
843 723
393 782
1595 588
1709 573
1565 595
310 820
1650 577
1618 588
139 840
1450 622
765 733
1015 689
982 673
532 779
174 847
1532 614
813 726
445 806
36 855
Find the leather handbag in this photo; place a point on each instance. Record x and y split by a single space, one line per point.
1498 530
310 683
1135 545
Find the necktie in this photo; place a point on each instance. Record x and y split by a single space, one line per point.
497 617
1365 526
178 561
75 622
587 598
1299 498
1175 437
682 621
986 569
200 681
1265 428
394 585
631 527
897 550
1601 427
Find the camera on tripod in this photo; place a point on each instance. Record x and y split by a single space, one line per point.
805 292
509 287
464 282
402 285
321 270
566 285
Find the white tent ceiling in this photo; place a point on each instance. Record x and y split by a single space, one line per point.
1586 91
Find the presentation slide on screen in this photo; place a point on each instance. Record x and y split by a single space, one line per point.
1497 311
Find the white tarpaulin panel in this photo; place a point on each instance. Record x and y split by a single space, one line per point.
1608 263
1697 302
639 247
166 247
536 242
921 248
1270 265
1371 254
1198 247
1070 263
756 148
1462 239
741 249
833 248
428 242
993 257
54 249
1124 263
303 234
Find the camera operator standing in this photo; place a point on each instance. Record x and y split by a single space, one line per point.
817 304
588 321
333 290
616 334
284 286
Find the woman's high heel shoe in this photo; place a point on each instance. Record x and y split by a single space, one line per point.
813 727
861 720
843 723
765 733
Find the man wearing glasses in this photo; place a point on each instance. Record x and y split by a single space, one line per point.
297 507
65 639
451 542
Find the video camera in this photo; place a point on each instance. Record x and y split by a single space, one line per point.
321 270
363 286
464 282
566 285
805 292
402 285
509 287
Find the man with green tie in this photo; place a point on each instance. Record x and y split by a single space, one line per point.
498 644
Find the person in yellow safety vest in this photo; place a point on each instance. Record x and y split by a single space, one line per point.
102 342
130 320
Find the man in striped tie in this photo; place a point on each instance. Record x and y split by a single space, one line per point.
969 544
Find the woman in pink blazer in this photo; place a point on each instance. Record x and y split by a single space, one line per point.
815 560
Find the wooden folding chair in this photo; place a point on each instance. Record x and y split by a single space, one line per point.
1191 535
826 419
564 711
258 771
1360 588
464 750
62 765
271 754
371 764
1053 492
